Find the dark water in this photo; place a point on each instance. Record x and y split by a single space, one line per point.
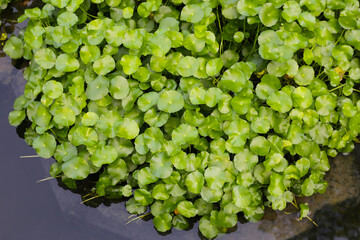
31 210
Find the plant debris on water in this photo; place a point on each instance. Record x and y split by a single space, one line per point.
192 108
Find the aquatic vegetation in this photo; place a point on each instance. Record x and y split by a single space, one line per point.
192 108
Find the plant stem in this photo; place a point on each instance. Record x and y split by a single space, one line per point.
30 156
340 36
48 178
89 199
340 86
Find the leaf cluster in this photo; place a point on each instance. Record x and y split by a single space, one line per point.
192 108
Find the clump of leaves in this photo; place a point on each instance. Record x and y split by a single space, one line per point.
192 108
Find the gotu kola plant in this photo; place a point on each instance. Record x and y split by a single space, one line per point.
192 108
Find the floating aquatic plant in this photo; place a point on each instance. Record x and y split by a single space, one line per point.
192 108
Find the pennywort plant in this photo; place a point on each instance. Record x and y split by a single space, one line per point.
192 108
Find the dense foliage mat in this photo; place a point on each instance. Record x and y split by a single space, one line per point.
192 108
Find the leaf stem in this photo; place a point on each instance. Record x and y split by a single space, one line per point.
88 194
340 86
138 218
88 13
89 199
48 178
339 36
255 41
220 29
312 221
30 156
295 205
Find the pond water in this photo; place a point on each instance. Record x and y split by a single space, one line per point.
31 210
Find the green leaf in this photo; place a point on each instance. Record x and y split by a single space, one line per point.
147 101
76 168
245 160
229 58
108 123
208 229
160 192
16 117
276 187
160 49
269 84
194 182
214 66
143 197
161 166
145 176
79 135
65 151
260 146
179 222
53 89
119 87
302 97
60 3
97 88
304 76
104 155
233 79
67 19
45 145
241 104
280 101
133 207
325 104
269 14
45 57
184 134
211 195
214 177
66 63
162 222
103 65
133 39
170 101
64 116
130 64
14 47
118 171
192 13
128 129
260 125
187 209
187 66
241 196
347 22
89 53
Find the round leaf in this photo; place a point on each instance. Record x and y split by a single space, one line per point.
170 101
